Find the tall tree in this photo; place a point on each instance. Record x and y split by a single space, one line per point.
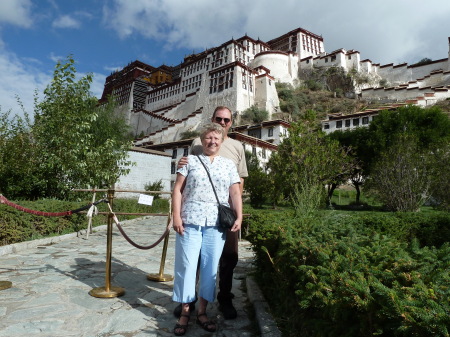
305 162
19 176
427 131
80 143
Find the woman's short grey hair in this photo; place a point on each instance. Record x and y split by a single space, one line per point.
212 127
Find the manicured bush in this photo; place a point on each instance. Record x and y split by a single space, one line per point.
338 275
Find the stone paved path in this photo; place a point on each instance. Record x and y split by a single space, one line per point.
51 284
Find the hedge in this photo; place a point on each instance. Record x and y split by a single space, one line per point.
354 275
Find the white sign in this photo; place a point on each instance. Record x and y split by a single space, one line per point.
145 199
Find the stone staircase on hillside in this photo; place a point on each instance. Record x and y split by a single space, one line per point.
170 131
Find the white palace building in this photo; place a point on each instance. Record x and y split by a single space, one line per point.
164 102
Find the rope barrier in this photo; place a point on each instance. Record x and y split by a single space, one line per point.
131 241
92 211
5 201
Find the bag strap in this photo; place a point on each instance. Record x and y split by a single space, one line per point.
207 172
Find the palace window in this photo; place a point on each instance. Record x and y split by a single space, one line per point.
356 122
271 132
173 168
338 124
174 154
365 120
185 152
347 123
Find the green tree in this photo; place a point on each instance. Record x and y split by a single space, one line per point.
428 129
440 185
80 143
355 143
157 185
402 176
18 158
255 115
257 184
305 162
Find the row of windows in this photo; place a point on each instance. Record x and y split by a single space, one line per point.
159 95
221 80
311 44
349 122
246 80
203 63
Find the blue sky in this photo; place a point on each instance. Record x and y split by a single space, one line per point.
104 35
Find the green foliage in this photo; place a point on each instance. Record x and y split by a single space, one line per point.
422 62
383 83
18 158
155 186
440 184
341 277
189 134
417 137
258 182
402 176
358 78
79 143
295 102
254 115
304 163
313 85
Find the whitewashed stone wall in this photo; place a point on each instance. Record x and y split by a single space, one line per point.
283 67
151 166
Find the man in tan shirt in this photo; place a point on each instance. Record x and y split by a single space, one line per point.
233 150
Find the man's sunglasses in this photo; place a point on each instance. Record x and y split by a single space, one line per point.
226 120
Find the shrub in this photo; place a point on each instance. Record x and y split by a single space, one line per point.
189 134
255 115
341 278
155 186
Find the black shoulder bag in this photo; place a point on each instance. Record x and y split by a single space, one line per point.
227 217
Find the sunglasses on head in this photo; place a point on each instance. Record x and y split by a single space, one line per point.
226 120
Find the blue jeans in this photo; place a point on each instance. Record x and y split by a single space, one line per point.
207 242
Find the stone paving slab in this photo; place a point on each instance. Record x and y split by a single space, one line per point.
51 283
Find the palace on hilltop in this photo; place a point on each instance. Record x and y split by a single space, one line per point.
161 103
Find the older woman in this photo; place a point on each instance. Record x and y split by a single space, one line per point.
195 219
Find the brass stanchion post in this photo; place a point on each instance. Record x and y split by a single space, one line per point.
161 277
108 291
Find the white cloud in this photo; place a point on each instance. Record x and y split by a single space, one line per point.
16 12
191 24
19 79
66 21
98 84
113 69
56 58
385 31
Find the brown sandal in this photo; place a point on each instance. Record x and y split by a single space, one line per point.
181 327
206 325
